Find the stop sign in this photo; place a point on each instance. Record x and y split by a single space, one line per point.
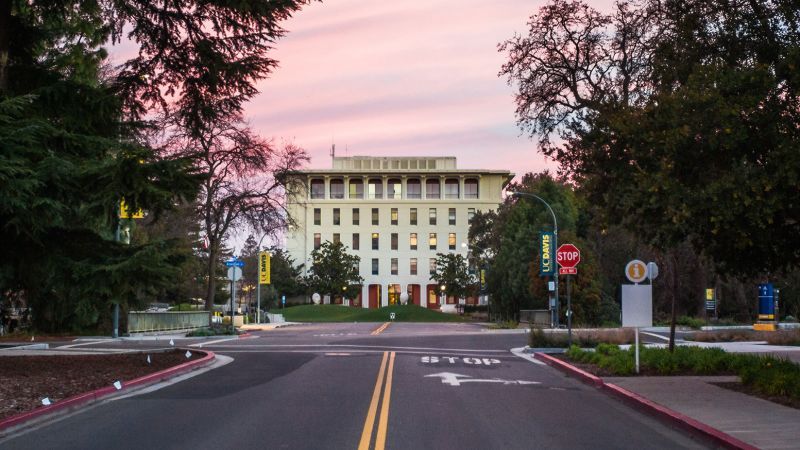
568 255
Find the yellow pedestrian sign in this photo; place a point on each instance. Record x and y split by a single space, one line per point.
125 214
264 268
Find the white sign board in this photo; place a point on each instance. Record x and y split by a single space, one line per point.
234 273
637 305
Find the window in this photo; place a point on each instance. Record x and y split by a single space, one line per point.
317 241
337 188
356 216
356 241
471 188
413 266
451 216
337 238
432 216
394 188
432 266
394 266
451 188
317 188
375 239
432 241
337 216
413 188
375 188
412 241
432 188
394 241
374 266
375 216
470 214
451 241
317 216
356 188
394 216
412 216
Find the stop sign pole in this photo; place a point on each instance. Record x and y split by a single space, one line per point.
568 256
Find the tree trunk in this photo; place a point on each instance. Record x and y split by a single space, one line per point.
5 43
674 298
212 278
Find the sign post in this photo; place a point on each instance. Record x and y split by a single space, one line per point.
568 257
234 274
637 301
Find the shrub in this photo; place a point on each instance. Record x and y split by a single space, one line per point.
582 337
507 325
690 322
783 337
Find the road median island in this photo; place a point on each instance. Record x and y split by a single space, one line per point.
69 382
648 406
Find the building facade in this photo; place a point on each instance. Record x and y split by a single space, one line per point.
396 214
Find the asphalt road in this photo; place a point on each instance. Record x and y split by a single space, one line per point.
340 386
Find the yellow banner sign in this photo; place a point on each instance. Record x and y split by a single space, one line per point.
264 268
709 294
125 214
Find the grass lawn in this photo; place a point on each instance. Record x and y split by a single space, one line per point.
336 313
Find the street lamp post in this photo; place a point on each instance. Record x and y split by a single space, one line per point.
443 300
555 243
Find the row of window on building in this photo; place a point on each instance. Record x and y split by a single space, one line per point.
394 188
412 241
394 216
394 266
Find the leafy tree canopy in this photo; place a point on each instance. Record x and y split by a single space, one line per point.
332 269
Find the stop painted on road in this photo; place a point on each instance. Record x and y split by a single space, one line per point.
459 360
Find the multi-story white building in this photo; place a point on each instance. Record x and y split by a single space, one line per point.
395 213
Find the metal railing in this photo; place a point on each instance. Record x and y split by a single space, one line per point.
144 322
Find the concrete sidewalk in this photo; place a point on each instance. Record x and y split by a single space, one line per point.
761 423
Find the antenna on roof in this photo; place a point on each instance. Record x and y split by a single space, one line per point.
333 152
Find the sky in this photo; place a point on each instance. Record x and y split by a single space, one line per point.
399 78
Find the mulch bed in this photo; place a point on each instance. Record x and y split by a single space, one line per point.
26 380
744 389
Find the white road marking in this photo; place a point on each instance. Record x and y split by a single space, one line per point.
200 344
430 359
81 344
665 338
467 350
455 379
520 352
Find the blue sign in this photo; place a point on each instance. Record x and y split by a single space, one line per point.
547 252
234 263
766 301
283 299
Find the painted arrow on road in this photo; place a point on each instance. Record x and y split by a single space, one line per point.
456 379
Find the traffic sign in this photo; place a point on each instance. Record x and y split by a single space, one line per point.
636 271
234 263
567 271
568 256
235 273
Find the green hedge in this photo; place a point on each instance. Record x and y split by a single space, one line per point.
766 374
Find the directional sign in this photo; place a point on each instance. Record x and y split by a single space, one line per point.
234 263
636 271
455 379
568 256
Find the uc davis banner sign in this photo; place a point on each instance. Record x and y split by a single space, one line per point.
547 265
264 268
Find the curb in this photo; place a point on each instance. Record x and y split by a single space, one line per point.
649 406
87 398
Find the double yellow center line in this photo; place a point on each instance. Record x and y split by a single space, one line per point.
369 423
380 329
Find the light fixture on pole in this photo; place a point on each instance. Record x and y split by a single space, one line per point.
443 289
555 244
